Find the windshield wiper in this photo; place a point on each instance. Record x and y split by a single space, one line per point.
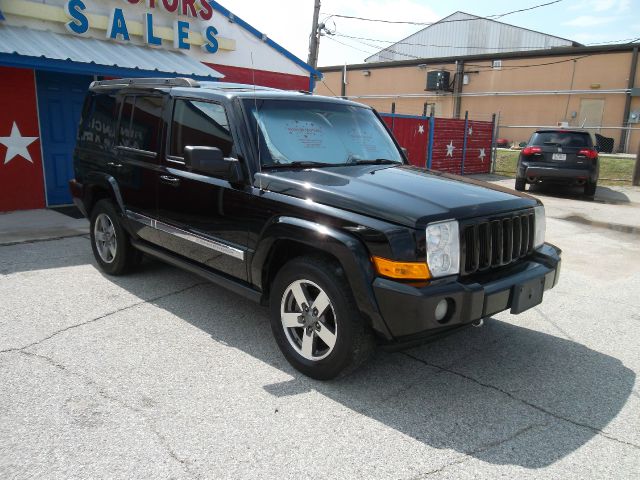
377 161
298 164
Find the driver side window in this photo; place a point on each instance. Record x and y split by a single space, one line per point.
202 124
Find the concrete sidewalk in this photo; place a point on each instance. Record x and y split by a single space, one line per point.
32 225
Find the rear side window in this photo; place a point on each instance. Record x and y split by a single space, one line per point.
98 126
140 123
562 139
199 124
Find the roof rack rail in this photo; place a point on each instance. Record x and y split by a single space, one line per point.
145 83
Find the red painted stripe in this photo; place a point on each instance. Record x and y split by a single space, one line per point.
263 78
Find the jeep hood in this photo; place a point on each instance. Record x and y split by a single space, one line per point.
402 194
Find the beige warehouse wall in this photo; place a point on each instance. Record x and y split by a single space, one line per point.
594 73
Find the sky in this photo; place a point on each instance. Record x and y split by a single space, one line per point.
288 22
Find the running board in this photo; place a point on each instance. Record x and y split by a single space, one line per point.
192 267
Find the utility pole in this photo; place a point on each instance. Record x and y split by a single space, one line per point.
636 170
314 40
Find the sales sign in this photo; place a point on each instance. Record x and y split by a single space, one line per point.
118 26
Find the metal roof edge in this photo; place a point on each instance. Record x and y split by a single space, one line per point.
258 34
546 52
70 66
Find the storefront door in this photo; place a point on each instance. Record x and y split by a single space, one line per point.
60 99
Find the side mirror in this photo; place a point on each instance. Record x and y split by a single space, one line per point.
210 161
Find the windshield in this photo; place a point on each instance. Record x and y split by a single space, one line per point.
319 134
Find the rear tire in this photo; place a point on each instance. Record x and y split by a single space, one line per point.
110 242
520 184
590 189
320 344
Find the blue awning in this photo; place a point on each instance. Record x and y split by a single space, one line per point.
20 46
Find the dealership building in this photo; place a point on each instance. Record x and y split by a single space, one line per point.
51 50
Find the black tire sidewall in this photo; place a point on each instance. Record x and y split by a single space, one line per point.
327 278
590 189
119 264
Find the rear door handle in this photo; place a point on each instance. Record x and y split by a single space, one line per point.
173 181
114 165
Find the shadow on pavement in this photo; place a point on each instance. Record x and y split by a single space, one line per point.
604 195
542 396
504 394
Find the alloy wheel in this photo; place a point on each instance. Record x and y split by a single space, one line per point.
309 320
105 238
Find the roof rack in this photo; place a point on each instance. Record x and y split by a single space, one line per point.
145 83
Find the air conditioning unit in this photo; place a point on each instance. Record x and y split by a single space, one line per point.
563 124
438 81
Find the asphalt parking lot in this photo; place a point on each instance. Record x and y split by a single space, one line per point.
161 375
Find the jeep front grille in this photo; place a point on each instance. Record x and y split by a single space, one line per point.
495 242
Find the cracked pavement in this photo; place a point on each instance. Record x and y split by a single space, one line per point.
160 375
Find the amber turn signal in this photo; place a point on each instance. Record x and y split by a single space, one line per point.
401 270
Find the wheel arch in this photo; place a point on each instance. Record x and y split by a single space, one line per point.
100 186
288 237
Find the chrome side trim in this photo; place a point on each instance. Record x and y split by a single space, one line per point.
149 222
190 237
137 151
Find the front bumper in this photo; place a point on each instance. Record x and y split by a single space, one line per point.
409 311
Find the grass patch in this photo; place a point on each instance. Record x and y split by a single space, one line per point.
613 170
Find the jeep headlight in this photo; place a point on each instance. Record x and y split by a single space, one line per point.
443 248
541 226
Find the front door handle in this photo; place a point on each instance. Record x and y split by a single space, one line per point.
173 181
114 165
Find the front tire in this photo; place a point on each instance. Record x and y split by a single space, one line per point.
110 242
315 320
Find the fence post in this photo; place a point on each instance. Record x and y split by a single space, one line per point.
493 142
494 145
393 116
636 170
432 127
464 143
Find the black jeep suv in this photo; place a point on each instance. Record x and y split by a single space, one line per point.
305 204
559 156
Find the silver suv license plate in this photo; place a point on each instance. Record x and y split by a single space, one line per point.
559 156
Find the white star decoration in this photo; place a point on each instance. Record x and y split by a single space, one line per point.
482 155
450 149
470 130
420 129
17 145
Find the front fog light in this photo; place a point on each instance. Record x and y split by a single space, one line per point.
441 310
541 226
443 248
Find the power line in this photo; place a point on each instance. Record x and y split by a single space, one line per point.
411 22
427 44
458 46
487 67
